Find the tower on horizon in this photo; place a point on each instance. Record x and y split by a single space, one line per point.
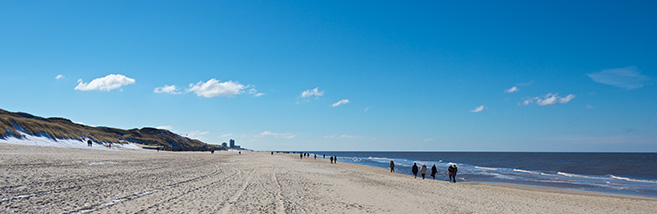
232 143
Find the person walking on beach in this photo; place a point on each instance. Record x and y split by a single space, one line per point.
89 143
455 171
315 156
434 170
423 171
414 169
392 166
452 173
331 159
335 159
301 156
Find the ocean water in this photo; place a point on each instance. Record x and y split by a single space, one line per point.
617 173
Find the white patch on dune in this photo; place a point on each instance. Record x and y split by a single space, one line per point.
62 143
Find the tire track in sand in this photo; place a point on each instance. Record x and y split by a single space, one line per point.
280 204
228 205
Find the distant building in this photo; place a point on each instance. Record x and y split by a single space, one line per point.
232 143
224 144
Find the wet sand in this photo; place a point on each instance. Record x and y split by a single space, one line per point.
37 179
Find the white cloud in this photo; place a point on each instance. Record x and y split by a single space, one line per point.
170 89
478 109
549 99
167 127
428 140
343 101
226 135
566 99
628 77
196 134
589 106
213 88
107 83
366 109
511 90
255 92
276 135
312 92
59 76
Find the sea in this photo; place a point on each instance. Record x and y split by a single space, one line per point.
615 173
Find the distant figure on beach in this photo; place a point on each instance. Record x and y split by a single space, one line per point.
212 151
331 159
323 156
414 169
315 156
240 152
89 143
158 149
272 153
109 145
392 166
452 172
423 171
301 156
335 159
434 170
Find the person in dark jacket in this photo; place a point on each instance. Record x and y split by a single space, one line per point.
434 170
331 158
452 173
392 166
414 169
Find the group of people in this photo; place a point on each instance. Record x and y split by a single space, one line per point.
334 159
451 171
301 155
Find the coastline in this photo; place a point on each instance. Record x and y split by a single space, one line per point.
49 179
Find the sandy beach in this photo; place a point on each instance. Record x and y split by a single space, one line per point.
38 179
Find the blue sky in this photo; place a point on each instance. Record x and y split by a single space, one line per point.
343 75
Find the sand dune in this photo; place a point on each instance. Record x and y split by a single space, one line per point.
65 180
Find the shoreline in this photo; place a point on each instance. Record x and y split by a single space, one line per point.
65 180
518 186
514 171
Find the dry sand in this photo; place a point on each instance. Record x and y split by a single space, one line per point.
64 180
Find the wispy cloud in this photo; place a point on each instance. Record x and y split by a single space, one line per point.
589 106
428 140
59 76
478 109
312 92
255 92
169 89
107 83
343 136
511 90
196 134
549 99
276 135
628 77
226 135
343 101
526 83
214 88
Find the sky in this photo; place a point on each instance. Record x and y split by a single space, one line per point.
547 76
